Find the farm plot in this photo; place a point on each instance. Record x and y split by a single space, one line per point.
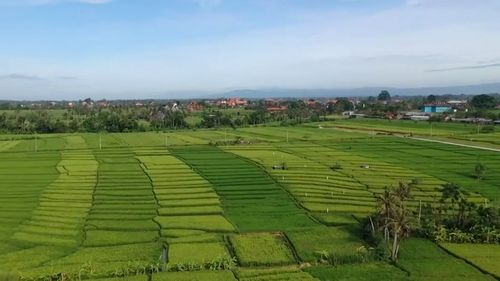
376 174
250 198
329 195
190 213
119 228
289 273
102 261
405 127
181 276
483 256
446 162
341 244
294 134
360 272
195 276
123 198
262 249
64 204
160 139
492 138
24 176
424 260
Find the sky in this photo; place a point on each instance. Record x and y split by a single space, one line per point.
71 49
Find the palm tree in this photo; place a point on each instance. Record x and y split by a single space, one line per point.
387 204
454 194
401 228
395 219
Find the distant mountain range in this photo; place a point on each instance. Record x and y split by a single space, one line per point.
304 93
360 92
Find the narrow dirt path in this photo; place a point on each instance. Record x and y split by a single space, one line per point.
456 144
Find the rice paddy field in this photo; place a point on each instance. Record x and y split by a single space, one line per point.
115 206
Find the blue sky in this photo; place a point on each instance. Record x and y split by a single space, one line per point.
157 48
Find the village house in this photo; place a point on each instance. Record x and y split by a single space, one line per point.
236 102
195 106
437 107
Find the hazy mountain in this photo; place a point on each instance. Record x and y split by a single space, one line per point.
360 92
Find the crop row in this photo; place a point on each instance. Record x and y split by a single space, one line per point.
448 163
251 199
190 213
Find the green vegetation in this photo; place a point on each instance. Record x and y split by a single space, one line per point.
483 256
335 245
267 203
360 272
251 200
426 261
291 273
261 249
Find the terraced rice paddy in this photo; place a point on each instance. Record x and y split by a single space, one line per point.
485 257
426 261
189 214
104 206
252 200
448 163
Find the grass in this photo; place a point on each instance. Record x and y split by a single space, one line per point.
96 238
483 256
338 241
196 253
359 272
195 276
262 249
405 127
444 162
290 273
251 200
424 260
215 223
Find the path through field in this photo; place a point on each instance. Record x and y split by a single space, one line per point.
457 144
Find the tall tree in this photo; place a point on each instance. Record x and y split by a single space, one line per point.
483 102
431 98
394 218
384 96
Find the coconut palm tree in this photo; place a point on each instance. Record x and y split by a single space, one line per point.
400 227
395 219
387 204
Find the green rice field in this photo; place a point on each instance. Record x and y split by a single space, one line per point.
173 206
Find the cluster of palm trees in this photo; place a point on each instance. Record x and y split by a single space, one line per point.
393 218
458 220
452 219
